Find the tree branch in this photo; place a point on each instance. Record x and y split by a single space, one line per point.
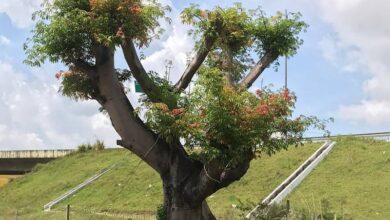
195 63
260 66
85 67
227 65
138 71
215 175
135 135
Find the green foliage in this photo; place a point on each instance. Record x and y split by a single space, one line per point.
278 34
227 122
97 146
238 32
274 212
161 213
281 211
70 30
82 148
163 91
77 85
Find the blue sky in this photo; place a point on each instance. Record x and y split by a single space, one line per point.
341 71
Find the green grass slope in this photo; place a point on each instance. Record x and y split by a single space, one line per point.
29 193
354 181
129 188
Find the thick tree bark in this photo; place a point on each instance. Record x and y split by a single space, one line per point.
186 182
198 212
177 207
260 66
195 63
138 71
190 182
135 135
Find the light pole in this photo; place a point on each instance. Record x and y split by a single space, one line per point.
285 63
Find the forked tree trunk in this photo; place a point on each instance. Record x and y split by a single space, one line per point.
178 208
186 182
182 193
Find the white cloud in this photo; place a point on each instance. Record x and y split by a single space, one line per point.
34 115
20 11
4 40
372 112
363 41
339 54
175 46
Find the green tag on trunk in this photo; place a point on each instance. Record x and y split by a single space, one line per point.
138 87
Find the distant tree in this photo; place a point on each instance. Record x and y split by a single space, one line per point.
198 142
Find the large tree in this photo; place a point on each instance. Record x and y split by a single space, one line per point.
198 141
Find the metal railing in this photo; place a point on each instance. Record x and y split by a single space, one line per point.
281 191
385 136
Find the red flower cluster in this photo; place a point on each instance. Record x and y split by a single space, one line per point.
92 3
248 110
177 111
59 74
63 74
135 9
203 14
258 92
120 32
286 95
195 125
262 109
273 98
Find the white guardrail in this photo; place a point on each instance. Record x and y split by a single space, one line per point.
384 136
49 205
280 192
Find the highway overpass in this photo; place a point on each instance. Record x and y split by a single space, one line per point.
22 161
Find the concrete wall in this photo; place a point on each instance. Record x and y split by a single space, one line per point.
20 165
34 153
23 161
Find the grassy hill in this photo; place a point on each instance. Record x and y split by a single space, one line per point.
354 181
129 189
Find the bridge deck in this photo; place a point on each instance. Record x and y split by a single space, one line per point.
34 153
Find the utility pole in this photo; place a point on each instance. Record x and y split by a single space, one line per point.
285 62
168 67
285 83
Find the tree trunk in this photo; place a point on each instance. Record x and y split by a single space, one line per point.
186 182
177 207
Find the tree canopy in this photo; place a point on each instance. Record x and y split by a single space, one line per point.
228 123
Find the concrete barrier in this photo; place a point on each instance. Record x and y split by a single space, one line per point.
280 192
34 153
23 161
20 165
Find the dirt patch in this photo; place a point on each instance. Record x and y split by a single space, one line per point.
4 179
